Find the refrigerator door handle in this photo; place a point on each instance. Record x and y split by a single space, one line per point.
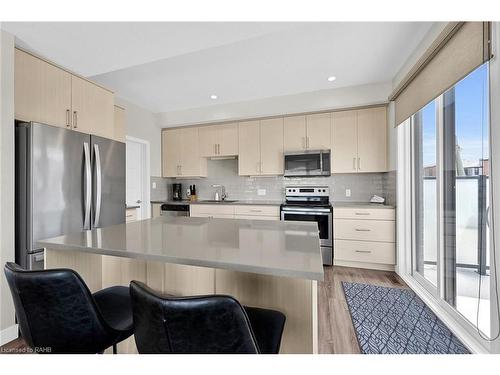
98 185
88 186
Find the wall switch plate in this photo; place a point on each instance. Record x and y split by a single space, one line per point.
154 185
347 193
261 191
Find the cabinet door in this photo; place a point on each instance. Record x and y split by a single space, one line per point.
318 131
271 146
190 160
294 133
208 141
344 142
119 127
42 91
171 149
249 148
227 139
372 140
92 108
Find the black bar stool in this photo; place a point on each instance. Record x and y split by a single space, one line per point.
56 311
202 324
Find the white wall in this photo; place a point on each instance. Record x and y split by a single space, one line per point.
280 105
6 180
141 123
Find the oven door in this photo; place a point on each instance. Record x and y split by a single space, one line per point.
323 217
309 163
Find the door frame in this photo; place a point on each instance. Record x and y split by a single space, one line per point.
145 211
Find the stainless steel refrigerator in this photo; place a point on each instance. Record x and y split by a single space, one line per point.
66 182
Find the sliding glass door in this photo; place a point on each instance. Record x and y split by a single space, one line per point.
450 162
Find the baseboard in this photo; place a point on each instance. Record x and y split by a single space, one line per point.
461 333
8 334
368 266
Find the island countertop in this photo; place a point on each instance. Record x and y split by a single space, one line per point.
278 248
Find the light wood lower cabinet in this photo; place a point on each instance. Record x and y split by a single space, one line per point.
364 237
155 210
130 214
251 212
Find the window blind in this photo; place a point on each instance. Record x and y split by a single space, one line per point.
459 49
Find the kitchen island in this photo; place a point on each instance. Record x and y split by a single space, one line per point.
270 264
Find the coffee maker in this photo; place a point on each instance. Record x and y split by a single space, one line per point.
177 192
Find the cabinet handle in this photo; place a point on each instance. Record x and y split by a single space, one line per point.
362 230
68 120
255 210
215 148
75 119
354 163
180 170
361 213
218 148
363 251
359 164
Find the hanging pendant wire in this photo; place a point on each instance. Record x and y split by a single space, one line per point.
491 213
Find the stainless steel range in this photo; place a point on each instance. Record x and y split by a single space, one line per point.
312 203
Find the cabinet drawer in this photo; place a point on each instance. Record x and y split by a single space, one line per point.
257 210
364 213
364 230
211 209
130 215
217 216
364 251
256 217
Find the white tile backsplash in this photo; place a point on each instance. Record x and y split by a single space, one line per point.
225 172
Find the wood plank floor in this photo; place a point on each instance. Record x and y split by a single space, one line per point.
336 333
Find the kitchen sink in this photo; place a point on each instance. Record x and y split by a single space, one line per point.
214 201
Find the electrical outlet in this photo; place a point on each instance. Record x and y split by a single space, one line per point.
261 191
347 193
154 185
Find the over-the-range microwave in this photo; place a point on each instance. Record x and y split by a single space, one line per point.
309 163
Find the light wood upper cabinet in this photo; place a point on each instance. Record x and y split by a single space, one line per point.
92 108
171 152
344 142
294 133
271 146
249 148
119 124
42 91
181 153
359 140
51 95
219 140
318 131
372 140
208 141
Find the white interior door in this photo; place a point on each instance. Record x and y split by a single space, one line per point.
137 176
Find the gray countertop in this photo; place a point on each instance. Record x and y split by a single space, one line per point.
280 248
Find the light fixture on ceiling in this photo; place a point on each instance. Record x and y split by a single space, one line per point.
331 78
213 97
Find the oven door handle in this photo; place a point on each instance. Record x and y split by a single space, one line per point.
305 211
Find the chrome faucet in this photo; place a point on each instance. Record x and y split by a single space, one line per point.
222 195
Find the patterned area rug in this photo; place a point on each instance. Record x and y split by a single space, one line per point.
396 321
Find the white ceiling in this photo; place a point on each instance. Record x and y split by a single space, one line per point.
173 66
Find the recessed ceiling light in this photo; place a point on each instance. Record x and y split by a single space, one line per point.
213 97
331 79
